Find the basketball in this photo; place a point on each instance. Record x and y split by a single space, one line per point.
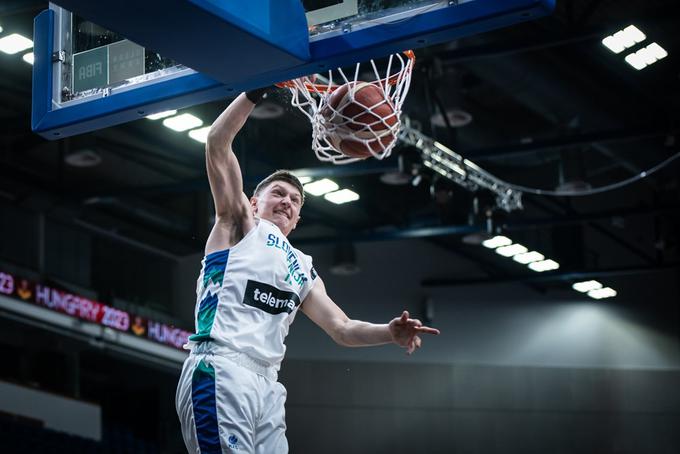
361 120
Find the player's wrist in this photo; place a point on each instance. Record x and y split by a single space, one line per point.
391 333
257 95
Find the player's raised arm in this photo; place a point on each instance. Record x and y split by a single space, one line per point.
403 330
233 216
224 172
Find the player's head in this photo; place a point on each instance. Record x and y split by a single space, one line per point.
278 199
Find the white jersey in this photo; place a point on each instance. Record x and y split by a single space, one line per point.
248 295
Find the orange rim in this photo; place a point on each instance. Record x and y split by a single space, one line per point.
312 87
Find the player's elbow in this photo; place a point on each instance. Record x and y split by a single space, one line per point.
341 334
217 142
220 137
341 341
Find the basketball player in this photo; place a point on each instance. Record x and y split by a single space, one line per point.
251 285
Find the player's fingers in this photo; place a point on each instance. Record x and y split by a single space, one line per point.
415 322
409 344
414 344
404 316
426 330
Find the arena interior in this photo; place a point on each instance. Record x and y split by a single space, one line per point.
102 235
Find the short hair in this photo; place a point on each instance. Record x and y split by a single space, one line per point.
280 175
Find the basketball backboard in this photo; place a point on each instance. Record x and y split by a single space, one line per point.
94 66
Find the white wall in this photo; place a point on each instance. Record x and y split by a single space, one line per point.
58 413
499 324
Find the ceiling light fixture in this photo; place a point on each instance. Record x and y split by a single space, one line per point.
159 115
14 43
586 286
267 111
657 51
623 39
646 56
528 257
83 158
28 58
300 174
636 61
601 293
341 196
497 241
200 134
321 187
182 122
544 265
513 249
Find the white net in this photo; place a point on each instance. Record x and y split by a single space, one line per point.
353 118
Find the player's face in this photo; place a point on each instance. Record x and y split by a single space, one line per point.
279 203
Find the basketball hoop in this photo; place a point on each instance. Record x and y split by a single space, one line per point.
347 128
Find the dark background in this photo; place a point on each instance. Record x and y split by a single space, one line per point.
524 363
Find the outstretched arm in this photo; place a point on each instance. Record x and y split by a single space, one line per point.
403 331
233 217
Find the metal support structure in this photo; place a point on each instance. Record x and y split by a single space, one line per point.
359 168
581 218
396 234
566 141
449 164
598 228
527 224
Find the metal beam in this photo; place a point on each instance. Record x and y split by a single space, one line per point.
466 54
571 140
359 168
438 231
115 236
598 228
250 179
546 277
538 223
395 234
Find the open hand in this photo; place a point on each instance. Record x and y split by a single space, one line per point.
405 330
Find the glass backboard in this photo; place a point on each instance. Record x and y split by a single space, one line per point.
176 53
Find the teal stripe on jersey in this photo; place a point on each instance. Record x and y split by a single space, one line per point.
206 318
215 265
213 272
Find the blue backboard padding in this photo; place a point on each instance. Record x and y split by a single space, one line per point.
131 105
429 28
43 42
264 17
209 36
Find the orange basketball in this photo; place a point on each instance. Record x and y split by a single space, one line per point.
363 117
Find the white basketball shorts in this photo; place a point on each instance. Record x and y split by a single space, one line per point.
229 403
